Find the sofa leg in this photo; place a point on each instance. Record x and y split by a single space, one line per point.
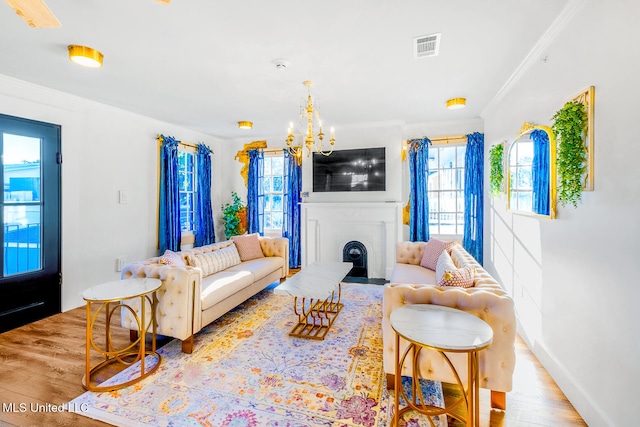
391 381
187 345
499 400
133 335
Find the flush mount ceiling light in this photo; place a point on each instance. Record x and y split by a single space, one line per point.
245 125
85 56
456 103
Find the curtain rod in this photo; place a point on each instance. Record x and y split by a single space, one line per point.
184 144
447 139
272 150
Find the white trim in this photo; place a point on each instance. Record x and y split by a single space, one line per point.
534 55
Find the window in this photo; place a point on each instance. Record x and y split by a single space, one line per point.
446 190
187 182
273 192
520 175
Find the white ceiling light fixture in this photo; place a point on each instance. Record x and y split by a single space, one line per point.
85 56
456 103
280 63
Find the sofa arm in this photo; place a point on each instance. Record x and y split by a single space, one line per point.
178 298
277 246
496 362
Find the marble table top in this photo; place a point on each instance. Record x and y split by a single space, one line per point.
121 289
440 327
316 280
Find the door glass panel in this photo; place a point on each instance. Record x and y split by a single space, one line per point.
22 212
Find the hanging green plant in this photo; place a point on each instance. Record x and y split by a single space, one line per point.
568 126
234 216
496 174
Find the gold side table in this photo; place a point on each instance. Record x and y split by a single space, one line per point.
443 329
111 296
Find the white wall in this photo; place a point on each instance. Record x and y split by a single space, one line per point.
572 278
104 150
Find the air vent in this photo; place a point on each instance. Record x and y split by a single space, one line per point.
425 46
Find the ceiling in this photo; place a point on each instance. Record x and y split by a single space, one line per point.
206 64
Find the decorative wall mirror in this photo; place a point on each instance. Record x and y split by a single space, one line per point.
531 181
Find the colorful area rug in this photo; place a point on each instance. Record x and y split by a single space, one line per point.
247 371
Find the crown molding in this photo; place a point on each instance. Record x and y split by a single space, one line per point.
561 21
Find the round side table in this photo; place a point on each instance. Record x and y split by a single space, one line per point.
116 293
443 329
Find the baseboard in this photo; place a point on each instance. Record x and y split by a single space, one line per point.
588 408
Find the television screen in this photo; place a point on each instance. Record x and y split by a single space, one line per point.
350 170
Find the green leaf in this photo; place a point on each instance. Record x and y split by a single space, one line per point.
496 175
569 126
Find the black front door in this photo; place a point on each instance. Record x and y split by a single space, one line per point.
30 210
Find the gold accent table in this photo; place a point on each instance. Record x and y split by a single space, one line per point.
316 290
443 329
116 292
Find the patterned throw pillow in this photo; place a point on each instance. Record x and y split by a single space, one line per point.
447 274
432 251
248 246
212 262
171 258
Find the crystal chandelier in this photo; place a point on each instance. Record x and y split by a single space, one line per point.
311 112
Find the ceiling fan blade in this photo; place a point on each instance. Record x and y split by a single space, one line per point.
35 13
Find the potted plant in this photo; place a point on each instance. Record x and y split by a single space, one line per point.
234 216
569 125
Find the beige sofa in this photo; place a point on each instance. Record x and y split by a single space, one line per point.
412 284
190 299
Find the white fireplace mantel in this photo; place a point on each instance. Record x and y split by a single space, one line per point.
327 227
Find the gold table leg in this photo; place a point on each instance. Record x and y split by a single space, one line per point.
315 317
126 356
469 397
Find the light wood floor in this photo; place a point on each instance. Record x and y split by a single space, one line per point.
43 364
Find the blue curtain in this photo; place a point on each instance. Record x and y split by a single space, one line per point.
169 226
540 171
418 196
205 232
474 195
291 226
255 193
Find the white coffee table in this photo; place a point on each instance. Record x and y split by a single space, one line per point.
443 329
315 301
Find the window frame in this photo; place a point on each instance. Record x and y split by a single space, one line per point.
269 157
187 150
457 188
515 167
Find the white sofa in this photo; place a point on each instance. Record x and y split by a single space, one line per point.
412 284
190 299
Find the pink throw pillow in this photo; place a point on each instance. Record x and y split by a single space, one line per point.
432 251
248 246
447 274
171 258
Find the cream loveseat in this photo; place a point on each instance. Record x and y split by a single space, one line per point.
411 283
201 284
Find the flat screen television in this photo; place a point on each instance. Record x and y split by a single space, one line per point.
350 170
